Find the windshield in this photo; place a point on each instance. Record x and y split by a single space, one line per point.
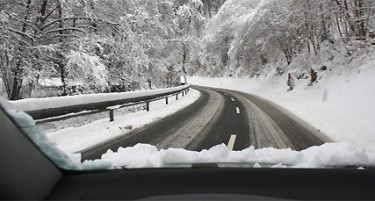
177 83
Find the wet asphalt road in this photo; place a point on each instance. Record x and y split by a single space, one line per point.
236 119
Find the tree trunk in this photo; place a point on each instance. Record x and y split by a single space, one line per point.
94 25
4 67
339 28
360 17
18 71
17 82
43 11
63 72
323 22
209 7
184 55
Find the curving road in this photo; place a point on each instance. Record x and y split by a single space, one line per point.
237 119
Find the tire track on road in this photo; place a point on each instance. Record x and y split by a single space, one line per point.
231 122
177 130
281 129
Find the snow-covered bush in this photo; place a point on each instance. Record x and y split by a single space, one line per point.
88 69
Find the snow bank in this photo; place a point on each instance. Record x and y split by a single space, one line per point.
32 104
327 155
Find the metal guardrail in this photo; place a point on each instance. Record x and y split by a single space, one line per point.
66 112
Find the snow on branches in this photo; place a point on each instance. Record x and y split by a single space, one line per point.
87 68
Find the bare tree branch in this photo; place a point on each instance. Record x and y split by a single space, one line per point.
23 21
25 35
77 18
62 36
50 12
65 29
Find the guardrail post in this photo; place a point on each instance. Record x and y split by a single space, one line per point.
183 93
176 96
111 116
166 100
148 106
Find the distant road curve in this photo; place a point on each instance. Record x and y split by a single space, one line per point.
237 119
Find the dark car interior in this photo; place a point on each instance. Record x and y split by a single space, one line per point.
26 174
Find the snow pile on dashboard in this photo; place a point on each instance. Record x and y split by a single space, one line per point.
327 155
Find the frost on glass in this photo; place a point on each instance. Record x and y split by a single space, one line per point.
27 124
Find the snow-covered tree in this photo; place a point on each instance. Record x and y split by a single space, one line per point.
135 41
247 36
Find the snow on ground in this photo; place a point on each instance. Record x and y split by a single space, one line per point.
346 114
75 139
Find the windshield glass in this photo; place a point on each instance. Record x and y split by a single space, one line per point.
176 83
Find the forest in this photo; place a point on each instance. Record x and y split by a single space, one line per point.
67 47
247 37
